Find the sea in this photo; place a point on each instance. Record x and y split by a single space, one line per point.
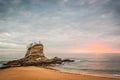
104 65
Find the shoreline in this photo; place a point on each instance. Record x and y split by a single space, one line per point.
53 74
88 74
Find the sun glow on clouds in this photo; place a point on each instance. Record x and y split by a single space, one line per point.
98 48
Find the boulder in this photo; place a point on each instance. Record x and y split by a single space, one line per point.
68 60
57 60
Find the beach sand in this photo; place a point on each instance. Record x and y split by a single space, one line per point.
39 73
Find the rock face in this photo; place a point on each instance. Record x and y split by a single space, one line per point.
35 50
35 56
35 53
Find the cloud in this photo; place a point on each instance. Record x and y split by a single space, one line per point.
60 25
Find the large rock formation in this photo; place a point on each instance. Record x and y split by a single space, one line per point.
35 53
35 56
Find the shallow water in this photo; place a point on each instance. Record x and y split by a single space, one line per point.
93 64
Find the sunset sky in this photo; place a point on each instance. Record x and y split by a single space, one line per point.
63 26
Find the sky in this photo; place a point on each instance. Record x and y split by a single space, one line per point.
63 26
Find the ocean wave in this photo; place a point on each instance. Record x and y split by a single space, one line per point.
102 70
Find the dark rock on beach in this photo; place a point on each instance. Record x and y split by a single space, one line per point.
35 56
68 60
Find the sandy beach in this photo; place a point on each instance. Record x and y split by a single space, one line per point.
39 73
